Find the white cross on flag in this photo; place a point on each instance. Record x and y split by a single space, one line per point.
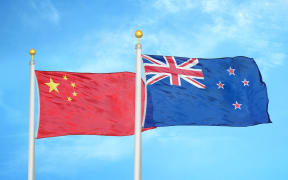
175 72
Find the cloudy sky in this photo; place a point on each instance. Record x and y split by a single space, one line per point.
98 36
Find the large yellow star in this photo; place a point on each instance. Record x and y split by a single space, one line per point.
52 85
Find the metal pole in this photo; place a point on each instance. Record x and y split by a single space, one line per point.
31 148
138 124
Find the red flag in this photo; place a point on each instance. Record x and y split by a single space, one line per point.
86 103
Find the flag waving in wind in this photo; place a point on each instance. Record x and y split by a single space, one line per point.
86 103
196 91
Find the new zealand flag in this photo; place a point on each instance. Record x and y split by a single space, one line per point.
196 91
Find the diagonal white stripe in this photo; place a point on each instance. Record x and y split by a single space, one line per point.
190 64
194 82
150 81
148 58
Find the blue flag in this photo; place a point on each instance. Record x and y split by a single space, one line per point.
196 91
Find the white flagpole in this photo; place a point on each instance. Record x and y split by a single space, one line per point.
138 124
31 148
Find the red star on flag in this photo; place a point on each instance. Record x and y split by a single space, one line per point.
245 82
220 85
237 105
231 71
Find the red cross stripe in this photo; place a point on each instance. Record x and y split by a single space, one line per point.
170 69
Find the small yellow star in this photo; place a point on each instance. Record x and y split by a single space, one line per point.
69 99
73 85
65 77
74 93
52 85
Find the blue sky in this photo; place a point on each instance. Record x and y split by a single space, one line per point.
98 36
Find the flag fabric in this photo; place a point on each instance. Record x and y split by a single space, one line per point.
197 91
86 103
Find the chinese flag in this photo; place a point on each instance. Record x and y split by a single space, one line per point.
86 103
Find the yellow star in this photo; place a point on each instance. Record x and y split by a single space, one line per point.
69 99
65 77
73 85
52 85
74 93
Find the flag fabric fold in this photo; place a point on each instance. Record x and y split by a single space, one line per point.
86 103
197 91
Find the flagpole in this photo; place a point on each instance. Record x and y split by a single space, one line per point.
138 124
31 146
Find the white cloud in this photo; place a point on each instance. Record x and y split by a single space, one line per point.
173 6
211 5
245 27
270 60
108 51
46 10
278 58
250 28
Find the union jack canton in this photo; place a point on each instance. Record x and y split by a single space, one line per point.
159 70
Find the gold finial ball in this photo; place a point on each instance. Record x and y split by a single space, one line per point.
32 52
138 34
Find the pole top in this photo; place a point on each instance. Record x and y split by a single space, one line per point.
32 52
138 35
